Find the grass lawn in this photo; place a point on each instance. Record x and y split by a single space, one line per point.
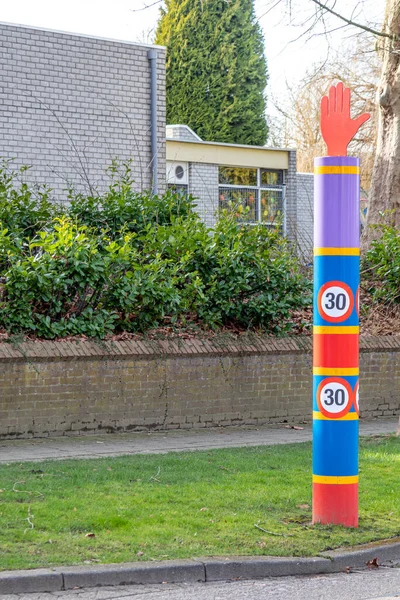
182 505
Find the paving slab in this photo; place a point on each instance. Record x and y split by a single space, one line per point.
160 442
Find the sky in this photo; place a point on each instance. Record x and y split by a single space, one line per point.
288 50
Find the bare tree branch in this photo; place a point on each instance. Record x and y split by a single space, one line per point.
146 6
351 22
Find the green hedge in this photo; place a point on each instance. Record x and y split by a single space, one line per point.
381 266
124 261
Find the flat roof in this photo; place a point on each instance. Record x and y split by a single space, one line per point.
227 144
82 35
217 153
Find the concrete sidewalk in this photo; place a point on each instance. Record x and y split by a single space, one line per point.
97 446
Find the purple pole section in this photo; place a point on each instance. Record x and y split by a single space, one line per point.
336 220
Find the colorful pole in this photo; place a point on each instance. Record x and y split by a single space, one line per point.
336 317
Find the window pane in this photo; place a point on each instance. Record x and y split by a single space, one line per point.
271 206
237 176
269 177
247 199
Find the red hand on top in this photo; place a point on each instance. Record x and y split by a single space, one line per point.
337 127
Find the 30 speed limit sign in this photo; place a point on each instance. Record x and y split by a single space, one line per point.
358 301
356 398
334 397
335 301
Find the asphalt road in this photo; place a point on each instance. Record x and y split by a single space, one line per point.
382 583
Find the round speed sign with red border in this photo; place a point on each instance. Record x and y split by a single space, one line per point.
334 397
358 301
356 398
335 301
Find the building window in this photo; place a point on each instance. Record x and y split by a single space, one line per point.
261 192
248 198
270 177
271 206
237 176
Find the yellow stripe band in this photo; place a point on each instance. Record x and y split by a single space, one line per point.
336 170
336 371
335 480
329 329
350 416
336 251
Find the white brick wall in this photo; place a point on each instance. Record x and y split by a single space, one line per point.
203 185
69 104
291 197
305 214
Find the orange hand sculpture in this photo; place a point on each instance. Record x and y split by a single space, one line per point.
337 127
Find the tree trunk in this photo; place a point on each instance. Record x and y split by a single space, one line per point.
385 187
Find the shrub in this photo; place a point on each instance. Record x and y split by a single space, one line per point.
381 266
54 289
9 246
253 278
141 289
129 261
72 282
120 208
24 210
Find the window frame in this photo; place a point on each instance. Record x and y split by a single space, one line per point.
258 189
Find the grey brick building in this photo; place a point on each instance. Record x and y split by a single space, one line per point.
70 103
261 179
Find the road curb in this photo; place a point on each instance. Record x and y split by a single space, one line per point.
258 567
196 570
386 553
38 580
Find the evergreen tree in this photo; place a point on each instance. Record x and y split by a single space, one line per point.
216 69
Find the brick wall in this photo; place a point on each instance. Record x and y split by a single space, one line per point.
291 197
203 185
305 215
69 104
69 387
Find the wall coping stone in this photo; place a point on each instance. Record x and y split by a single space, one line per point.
177 347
